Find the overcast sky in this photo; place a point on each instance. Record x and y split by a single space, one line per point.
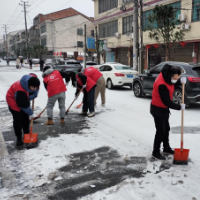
11 12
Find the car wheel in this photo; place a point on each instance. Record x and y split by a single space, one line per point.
137 89
109 84
177 97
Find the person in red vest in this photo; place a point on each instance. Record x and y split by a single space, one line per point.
82 81
98 78
162 97
55 86
18 98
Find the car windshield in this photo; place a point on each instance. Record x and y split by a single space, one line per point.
35 61
123 67
91 63
196 71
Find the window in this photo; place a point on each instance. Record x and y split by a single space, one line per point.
176 6
43 41
79 44
127 25
195 10
79 31
107 68
157 69
126 1
123 67
108 29
43 29
105 5
92 33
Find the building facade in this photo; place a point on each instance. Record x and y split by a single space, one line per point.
113 19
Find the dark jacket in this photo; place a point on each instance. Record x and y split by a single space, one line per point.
164 95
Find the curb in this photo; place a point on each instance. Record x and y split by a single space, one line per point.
8 178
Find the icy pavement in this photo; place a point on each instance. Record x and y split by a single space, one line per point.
106 157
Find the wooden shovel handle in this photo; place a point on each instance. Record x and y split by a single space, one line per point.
74 99
31 127
182 115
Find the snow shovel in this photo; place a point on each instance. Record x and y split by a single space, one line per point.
181 155
31 139
39 114
73 101
79 105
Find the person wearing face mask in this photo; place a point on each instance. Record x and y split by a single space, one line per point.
162 96
18 99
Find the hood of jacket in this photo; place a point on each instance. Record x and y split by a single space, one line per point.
47 72
24 82
166 72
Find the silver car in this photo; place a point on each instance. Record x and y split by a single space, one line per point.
66 65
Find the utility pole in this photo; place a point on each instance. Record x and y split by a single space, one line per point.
135 35
24 4
141 35
85 48
97 46
5 41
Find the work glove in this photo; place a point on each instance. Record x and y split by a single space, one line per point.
31 116
183 80
84 86
182 106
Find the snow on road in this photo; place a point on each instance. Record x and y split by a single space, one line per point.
125 125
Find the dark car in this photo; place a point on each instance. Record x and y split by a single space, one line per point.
143 83
66 65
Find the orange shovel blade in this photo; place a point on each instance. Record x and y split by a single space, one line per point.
30 138
181 156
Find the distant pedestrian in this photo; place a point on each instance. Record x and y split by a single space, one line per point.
8 61
41 64
98 78
162 96
18 99
21 61
55 86
30 63
17 63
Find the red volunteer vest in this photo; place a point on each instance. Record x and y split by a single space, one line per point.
156 100
10 96
55 83
89 83
93 73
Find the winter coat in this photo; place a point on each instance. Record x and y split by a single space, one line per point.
93 73
82 79
162 94
17 62
18 97
53 82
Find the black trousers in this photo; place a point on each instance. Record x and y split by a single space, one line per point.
20 121
162 133
88 100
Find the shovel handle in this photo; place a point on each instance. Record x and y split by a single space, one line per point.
74 99
31 127
182 115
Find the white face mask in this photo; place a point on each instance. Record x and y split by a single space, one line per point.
173 81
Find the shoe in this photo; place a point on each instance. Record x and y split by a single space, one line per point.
62 121
103 104
19 144
49 122
158 156
168 151
92 114
82 113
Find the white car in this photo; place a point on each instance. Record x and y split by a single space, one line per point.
117 75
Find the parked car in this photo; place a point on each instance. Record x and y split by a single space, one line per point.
66 65
89 64
143 83
35 62
117 75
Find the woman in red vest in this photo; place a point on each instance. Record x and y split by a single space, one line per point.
82 81
98 78
162 97
18 98
55 86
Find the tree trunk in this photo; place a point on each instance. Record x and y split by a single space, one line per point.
167 53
